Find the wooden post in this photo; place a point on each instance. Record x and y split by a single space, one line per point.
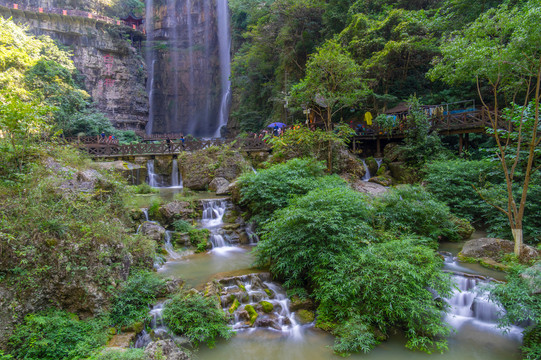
460 144
467 141
354 145
378 146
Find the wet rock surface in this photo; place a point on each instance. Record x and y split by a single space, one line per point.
494 250
165 350
219 185
176 210
153 230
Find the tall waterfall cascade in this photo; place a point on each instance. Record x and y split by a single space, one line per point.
188 56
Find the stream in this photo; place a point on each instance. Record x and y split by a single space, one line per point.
476 335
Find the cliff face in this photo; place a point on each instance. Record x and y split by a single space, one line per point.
185 66
112 69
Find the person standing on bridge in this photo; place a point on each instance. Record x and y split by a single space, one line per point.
168 142
183 140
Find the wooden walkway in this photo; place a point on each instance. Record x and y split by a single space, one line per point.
108 150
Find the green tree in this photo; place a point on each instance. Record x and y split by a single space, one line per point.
332 83
501 50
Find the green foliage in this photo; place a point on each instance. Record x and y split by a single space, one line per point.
57 335
5 356
132 301
182 226
199 239
127 354
521 302
197 317
332 82
271 189
145 188
325 241
301 142
412 210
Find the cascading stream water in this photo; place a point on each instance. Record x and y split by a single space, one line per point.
168 246
152 176
213 213
159 330
469 306
175 175
224 43
367 175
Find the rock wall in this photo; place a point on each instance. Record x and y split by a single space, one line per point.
185 48
113 71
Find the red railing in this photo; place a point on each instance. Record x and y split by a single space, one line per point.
76 13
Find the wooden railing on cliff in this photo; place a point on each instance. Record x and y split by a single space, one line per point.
459 123
104 149
74 13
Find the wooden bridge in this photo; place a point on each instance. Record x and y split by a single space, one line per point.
461 123
103 149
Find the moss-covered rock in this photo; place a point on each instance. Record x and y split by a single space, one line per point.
371 164
297 304
199 239
465 230
266 306
305 316
252 313
234 306
402 173
382 180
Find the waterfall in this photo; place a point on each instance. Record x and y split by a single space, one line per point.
470 306
150 59
224 43
213 213
367 175
159 330
152 177
251 290
175 174
379 162
168 246
175 48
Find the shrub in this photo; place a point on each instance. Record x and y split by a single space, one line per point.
145 188
363 280
197 317
131 303
199 239
411 209
57 335
128 354
271 189
182 226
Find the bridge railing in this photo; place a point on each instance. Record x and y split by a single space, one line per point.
110 150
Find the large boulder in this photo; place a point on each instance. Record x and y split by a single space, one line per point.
234 190
382 180
369 188
165 350
347 163
495 249
372 165
153 230
176 210
402 173
219 185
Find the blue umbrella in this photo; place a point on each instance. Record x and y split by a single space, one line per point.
279 124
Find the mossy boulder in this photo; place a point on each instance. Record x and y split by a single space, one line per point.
464 228
372 165
252 313
297 304
489 251
305 316
234 306
266 306
382 180
402 173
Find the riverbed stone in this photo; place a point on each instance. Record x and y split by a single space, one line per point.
305 316
495 249
219 185
369 188
153 230
348 164
165 350
268 323
176 210
382 180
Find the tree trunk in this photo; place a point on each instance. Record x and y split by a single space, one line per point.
329 146
517 236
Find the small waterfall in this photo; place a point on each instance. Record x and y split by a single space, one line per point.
379 162
168 246
254 239
470 306
159 330
145 212
224 44
367 175
213 213
175 174
152 177
252 290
